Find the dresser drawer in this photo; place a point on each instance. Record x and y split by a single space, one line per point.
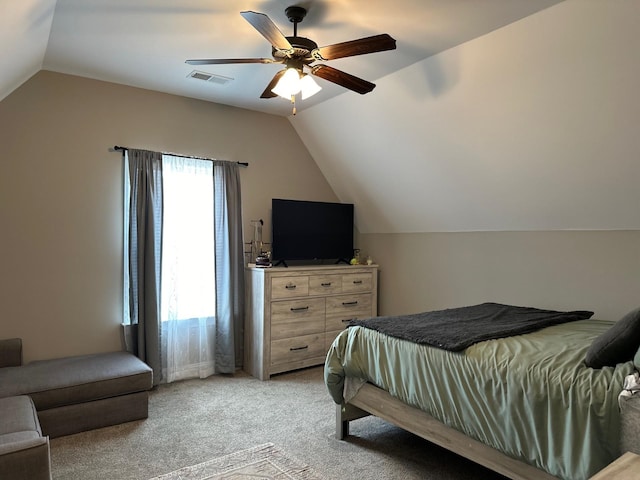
339 320
357 282
288 287
325 284
292 318
296 349
349 304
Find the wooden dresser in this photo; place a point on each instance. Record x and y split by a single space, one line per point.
293 314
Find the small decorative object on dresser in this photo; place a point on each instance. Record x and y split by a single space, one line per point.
263 260
293 314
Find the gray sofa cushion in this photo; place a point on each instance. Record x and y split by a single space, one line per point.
64 381
19 420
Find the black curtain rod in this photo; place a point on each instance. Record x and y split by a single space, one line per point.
242 164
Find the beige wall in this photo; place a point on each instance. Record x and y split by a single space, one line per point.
581 270
61 189
524 142
60 218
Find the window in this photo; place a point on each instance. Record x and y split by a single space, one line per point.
183 264
188 265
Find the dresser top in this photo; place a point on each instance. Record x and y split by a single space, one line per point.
310 268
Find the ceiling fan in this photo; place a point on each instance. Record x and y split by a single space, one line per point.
298 53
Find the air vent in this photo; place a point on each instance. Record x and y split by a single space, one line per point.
209 77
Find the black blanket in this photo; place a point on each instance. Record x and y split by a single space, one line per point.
457 328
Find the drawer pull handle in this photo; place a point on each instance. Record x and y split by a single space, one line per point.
347 304
293 349
357 282
291 286
299 309
347 320
328 284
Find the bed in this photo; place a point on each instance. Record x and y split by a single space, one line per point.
525 405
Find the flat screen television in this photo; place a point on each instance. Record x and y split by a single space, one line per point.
304 231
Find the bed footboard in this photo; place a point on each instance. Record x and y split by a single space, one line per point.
375 401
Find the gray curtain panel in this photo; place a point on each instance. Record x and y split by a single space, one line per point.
229 340
142 336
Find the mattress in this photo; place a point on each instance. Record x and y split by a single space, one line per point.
529 396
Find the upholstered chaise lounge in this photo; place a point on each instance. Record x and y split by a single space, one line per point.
69 395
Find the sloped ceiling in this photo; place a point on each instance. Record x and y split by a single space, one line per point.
534 126
145 43
490 115
24 35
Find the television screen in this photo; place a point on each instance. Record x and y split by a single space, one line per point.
304 230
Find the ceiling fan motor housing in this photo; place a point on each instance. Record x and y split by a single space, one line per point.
302 48
295 14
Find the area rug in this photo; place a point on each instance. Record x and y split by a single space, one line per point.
264 462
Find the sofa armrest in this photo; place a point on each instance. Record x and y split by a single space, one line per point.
26 459
11 352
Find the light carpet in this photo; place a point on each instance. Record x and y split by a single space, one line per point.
265 462
194 421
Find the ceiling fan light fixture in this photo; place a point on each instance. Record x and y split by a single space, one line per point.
308 86
289 84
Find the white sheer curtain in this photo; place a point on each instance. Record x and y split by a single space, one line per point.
188 287
183 265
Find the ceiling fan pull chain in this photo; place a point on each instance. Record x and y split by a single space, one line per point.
293 102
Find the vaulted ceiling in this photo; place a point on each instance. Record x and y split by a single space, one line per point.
489 115
145 43
533 126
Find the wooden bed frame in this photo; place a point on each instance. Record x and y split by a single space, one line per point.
371 400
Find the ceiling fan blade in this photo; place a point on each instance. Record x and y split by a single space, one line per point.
267 91
377 43
267 29
344 79
222 61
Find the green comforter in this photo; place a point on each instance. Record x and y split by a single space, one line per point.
529 396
